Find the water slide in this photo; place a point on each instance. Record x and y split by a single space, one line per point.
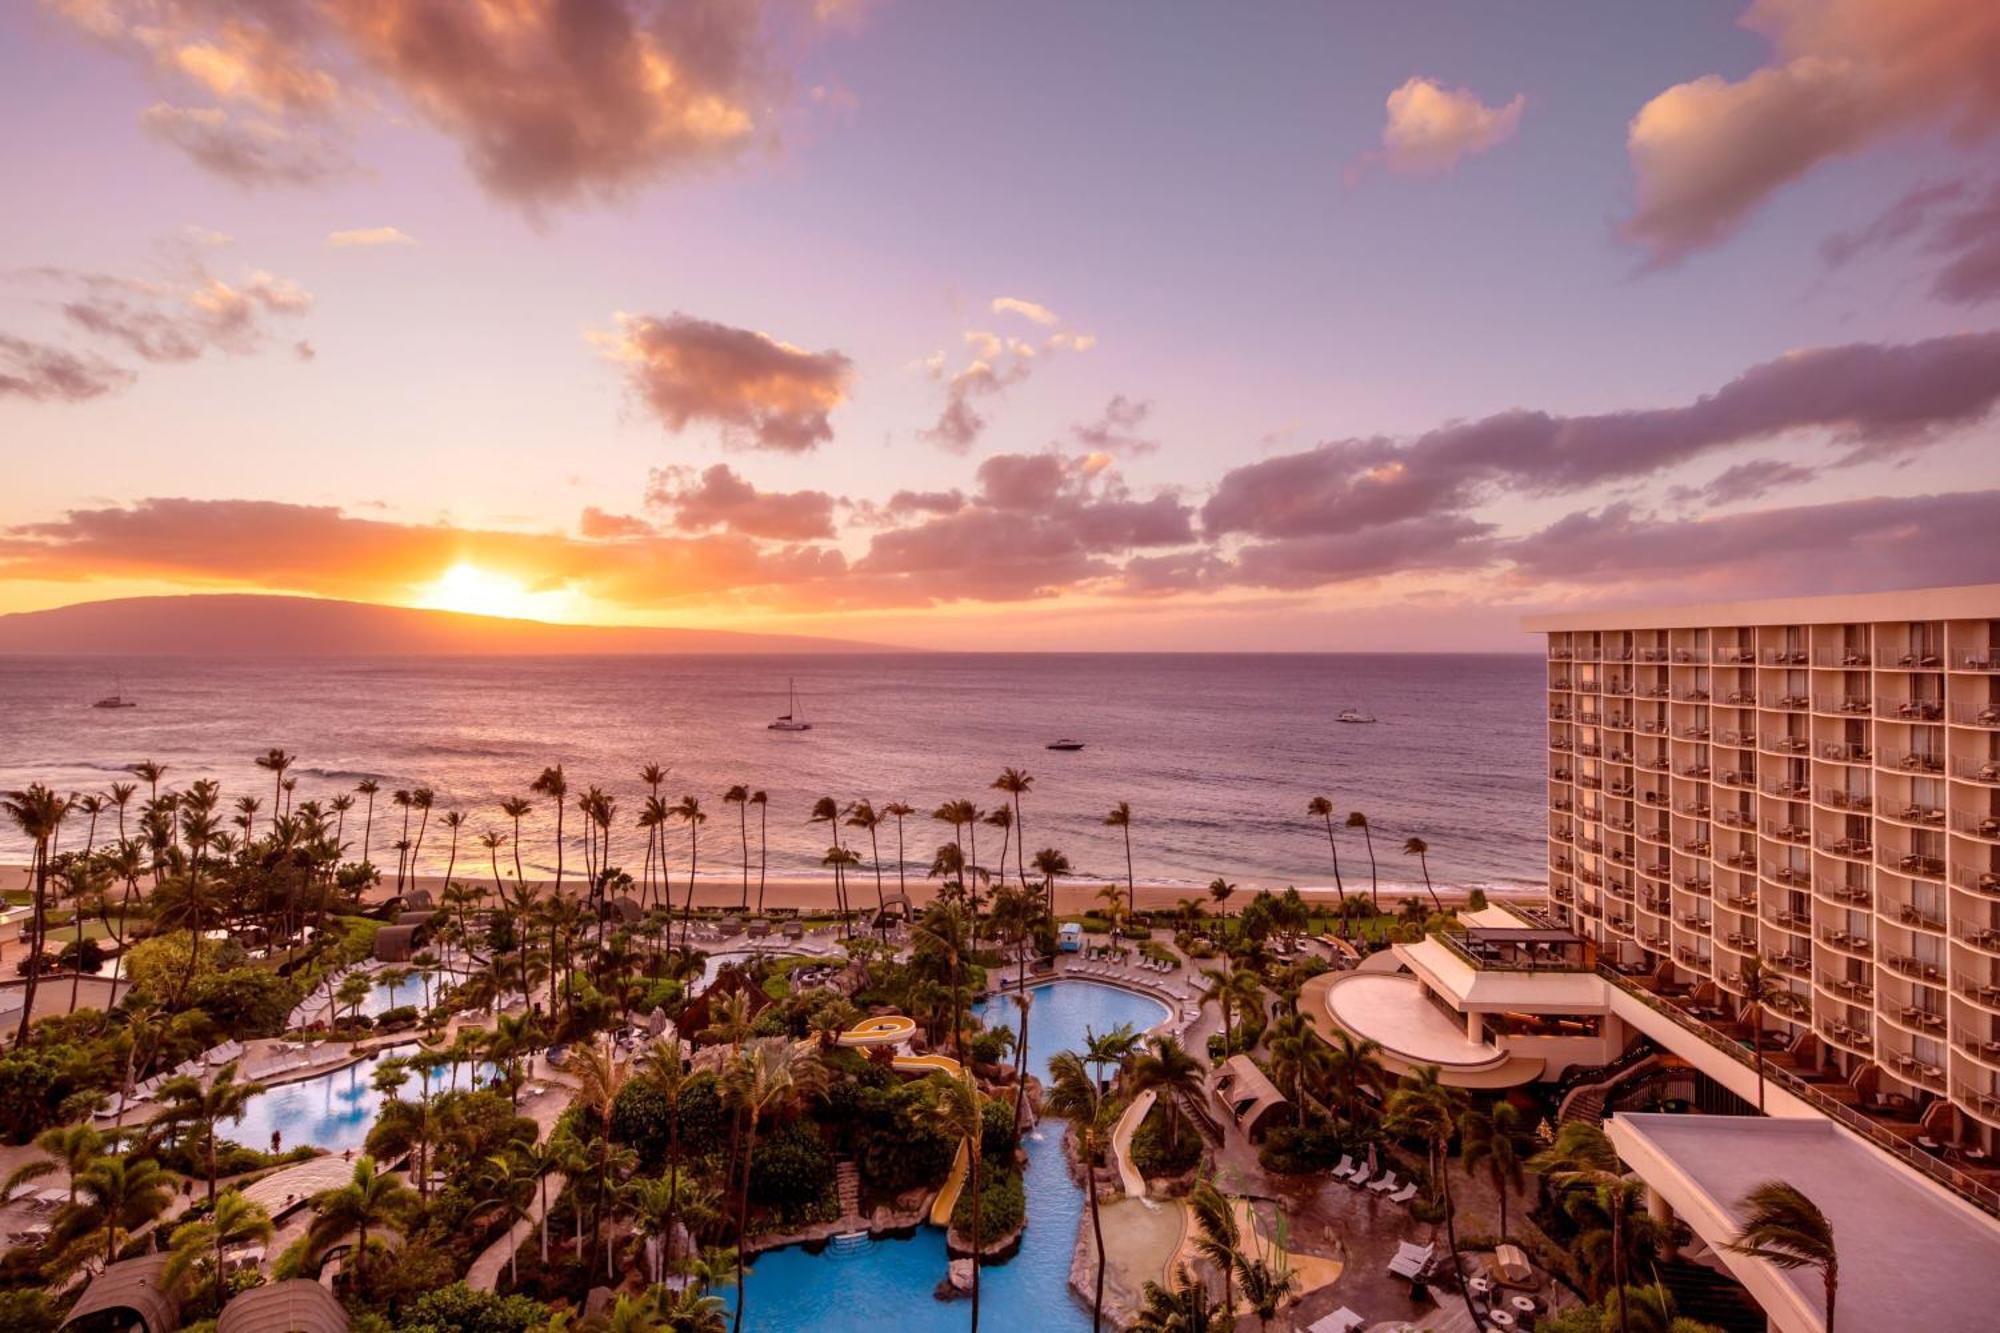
947 1198
894 1030
1128 1124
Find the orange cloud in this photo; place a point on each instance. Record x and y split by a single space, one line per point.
765 394
1847 73
1430 127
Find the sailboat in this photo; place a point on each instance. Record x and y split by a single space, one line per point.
116 699
1355 715
789 720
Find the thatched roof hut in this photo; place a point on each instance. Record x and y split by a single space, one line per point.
298 1306
400 943
127 1297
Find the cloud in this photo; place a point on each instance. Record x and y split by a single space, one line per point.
998 363
1845 74
1116 429
1869 400
763 393
1853 545
1430 128
1750 481
247 150
718 498
1955 224
597 524
40 373
960 425
1433 541
551 101
1031 310
163 323
323 550
369 236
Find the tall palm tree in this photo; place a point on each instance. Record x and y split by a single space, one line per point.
422 800
960 1111
1015 783
1787 1230
653 775
827 811
493 840
763 804
1218 1238
1355 819
1002 818
1050 864
38 813
187 1105
233 1221
368 787
689 810
507 1182
71 1147
739 796
600 1077
864 816
1184 1307
1581 1157
122 1194
1425 1107
370 1201
1420 849
453 820
1076 1096
1322 809
1120 818
1168 1070
1492 1139
661 1069
1760 986
896 810
553 785
514 807
275 761
120 795
768 1077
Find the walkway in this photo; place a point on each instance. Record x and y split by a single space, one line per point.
484 1275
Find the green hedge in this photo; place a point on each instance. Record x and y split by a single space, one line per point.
1003 1203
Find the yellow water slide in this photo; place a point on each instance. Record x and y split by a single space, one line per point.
947 1198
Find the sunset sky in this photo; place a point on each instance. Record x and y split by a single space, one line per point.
1012 325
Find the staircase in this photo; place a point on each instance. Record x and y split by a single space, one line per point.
1204 1119
1713 1298
847 1187
1586 1104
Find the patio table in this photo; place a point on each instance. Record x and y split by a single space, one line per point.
1524 1304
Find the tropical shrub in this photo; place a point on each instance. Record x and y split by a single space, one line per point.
459 1309
1291 1151
1154 1151
791 1169
1003 1203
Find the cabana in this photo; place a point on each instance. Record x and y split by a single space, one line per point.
1069 936
407 918
399 944
1253 1101
625 910
418 900
127 1297
298 1306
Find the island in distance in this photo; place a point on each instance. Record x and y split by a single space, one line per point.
233 625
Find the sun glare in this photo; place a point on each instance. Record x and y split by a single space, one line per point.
481 592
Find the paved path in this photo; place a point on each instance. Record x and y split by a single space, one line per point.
484 1275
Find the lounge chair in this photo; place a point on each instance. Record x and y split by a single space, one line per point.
1387 1182
1360 1177
1346 1166
1404 1195
1342 1320
1411 1260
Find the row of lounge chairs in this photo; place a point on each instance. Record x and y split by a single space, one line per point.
194 1067
1357 1175
1125 972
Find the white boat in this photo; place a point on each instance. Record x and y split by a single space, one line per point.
1064 744
1355 715
789 720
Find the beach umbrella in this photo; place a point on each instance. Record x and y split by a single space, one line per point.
656 1022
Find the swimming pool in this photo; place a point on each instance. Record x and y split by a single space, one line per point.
859 1285
332 1111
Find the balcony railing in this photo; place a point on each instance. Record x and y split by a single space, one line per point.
1978 826
1784 832
1855 849
1915 968
1858 801
1986 661
1978 881
1986 938
1977 770
1784 657
1929 816
1853 894
1909 916
1914 761
1786 744
1787 702
1842 752
1735 656
1840 939
1700 888
1857 705
1841 657
1911 863
1912 710
1922 660
1737 777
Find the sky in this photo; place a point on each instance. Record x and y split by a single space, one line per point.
1036 326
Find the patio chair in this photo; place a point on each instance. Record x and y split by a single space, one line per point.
1404 1195
1387 1182
1346 1165
1360 1177
1342 1320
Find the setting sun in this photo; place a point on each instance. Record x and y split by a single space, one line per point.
481 592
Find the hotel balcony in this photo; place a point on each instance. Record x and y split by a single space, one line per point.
1854 895
1559 713
1622 790
1778 743
1853 705
1559 743
1860 992
1744 779
1691 696
1986 1051
1653 691
1917 661
1562 804
1986 939
1784 657
1913 761
1738 819
1741 740
1699 772
1918 815
1796 922
1977 770
1785 832
1695 885
1741 861
1563 895
1916 968
1983 882
1846 752
1835 798
1908 915
1692 809
1791 703
1694 733
1786 790
1858 945
1840 657
1791 876
1853 849
1913 864
1983 827
1658 798
1912 1070
1847 1036
1736 939
1913 710
1735 657
1984 994
1656 763
1653 726
1989 660
1695 846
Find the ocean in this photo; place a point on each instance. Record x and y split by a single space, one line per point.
1217 754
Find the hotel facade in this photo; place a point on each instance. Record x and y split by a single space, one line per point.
1813 783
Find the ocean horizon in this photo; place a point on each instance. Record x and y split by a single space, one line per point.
1217 753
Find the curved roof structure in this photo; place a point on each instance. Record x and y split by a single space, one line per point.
123 1292
1251 1097
298 1306
1393 1010
398 944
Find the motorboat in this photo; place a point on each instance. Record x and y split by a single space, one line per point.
789 720
1355 715
1065 744
115 701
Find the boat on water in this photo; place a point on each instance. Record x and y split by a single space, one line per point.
1064 744
789 720
115 701
1355 715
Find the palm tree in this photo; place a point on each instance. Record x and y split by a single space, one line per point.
1075 1095
600 1077
275 762
453 820
1268 1281
827 811
1167 1069
763 804
1014 782
689 809
1120 818
1355 819
960 1111
422 800
186 1104
1218 1238
661 1069
122 1194
1425 1107
767 1077
553 785
1581 1157
233 1221
897 810
514 807
1050 864
71 1147
1787 1230
652 775
38 813
1002 818
863 815
1322 809
1420 849
1760 987
1219 891
368 787
493 840
507 1183
371 1200
1493 1139
739 796
1298 1057
1186 1307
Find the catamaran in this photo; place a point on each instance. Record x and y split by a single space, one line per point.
789 720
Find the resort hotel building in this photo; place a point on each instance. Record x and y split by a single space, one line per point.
1773 884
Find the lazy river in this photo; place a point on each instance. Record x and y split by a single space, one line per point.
856 1285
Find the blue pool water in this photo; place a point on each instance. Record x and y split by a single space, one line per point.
332 1111
861 1286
